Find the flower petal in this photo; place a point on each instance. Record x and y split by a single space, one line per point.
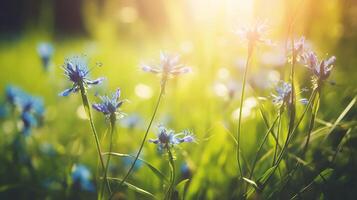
66 92
96 81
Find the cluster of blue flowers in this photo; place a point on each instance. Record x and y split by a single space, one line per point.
31 108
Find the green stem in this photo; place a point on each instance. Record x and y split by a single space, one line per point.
172 174
292 107
89 114
278 134
315 108
288 138
144 139
112 130
250 51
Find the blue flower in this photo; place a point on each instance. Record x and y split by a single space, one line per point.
32 112
321 69
299 49
283 93
45 51
31 108
110 105
81 176
76 70
13 94
185 171
254 34
167 138
169 66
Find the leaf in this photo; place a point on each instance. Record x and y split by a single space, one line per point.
342 115
266 175
133 187
323 175
261 181
251 182
180 187
157 172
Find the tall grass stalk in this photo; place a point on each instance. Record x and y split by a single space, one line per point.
281 110
112 131
88 110
249 56
171 188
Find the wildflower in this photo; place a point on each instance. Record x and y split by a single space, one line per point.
13 94
299 49
31 108
32 112
169 66
81 177
283 90
110 105
254 34
283 94
321 69
45 51
167 138
77 71
186 172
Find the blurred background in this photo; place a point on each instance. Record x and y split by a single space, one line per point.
119 35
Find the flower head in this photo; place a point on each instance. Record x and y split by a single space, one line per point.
167 138
76 70
32 113
283 93
298 49
110 105
45 51
254 34
31 108
321 69
169 66
81 177
13 94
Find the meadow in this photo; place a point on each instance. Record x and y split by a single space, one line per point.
181 100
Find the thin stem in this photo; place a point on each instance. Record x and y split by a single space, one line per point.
144 139
312 123
112 130
89 113
292 95
172 174
277 135
250 51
